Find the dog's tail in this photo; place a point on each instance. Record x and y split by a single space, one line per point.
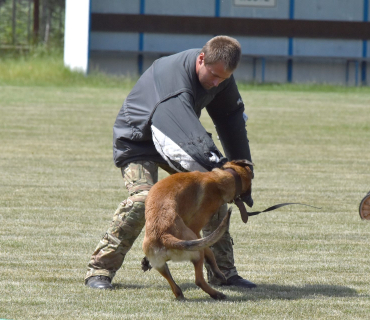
172 242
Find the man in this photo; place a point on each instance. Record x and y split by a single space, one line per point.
158 126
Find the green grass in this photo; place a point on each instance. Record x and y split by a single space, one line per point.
44 67
59 189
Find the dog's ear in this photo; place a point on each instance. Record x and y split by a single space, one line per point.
242 163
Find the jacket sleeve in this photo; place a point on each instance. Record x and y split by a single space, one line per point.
181 139
227 113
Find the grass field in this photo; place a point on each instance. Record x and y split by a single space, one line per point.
59 189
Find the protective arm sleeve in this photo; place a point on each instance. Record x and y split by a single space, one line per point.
181 139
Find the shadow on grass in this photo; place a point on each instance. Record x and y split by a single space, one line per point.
281 292
122 286
264 292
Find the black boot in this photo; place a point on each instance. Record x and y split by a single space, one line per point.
238 281
99 282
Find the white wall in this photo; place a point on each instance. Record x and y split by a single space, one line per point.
76 36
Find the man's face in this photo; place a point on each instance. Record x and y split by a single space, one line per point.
211 75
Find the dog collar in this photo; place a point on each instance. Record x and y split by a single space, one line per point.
238 182
238 189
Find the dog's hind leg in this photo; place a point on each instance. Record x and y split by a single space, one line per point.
201 282
210 259
165 272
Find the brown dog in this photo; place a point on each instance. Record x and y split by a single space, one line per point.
178 207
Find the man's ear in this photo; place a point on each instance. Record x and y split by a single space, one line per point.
201 57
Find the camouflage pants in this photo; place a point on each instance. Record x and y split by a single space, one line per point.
222 249
129 220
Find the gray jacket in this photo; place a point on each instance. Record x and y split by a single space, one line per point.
170 98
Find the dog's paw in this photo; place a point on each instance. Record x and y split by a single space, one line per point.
181 298
219 296
145 264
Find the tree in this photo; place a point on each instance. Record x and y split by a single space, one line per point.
36 20
25 22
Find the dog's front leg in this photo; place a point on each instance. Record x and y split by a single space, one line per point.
200 282
165 272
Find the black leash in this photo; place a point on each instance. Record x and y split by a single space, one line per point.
277 206
239 202
244 214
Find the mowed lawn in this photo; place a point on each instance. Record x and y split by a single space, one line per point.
59 189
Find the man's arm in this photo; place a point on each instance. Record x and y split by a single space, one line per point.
181 139
226 111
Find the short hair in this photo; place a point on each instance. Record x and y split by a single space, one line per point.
225 49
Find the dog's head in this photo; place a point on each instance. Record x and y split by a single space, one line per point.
243 169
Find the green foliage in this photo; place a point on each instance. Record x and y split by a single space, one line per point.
22 23
51 14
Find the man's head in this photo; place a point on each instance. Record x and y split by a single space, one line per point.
217 61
